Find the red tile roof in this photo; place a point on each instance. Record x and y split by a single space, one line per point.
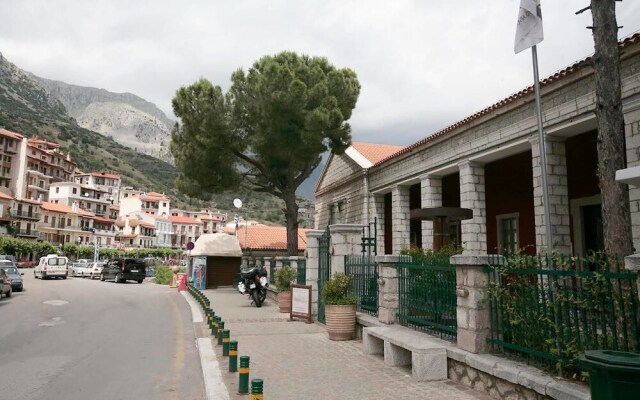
104 220
183 220
502 103
262 237
61 208
5 196
104 175
375 152
10 134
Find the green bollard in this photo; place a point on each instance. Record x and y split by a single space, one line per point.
256 389
243 376
225 343
233 356
220 329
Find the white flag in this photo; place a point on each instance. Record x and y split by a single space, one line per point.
529 29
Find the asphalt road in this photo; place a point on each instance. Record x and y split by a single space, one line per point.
78 339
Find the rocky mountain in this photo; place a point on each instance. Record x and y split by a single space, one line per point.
130 120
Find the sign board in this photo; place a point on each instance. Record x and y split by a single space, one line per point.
190 246
199 271
301 302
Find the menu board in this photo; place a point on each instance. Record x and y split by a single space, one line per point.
301 302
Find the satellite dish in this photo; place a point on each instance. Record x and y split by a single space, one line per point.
237 203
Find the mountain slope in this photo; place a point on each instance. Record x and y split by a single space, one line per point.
129 119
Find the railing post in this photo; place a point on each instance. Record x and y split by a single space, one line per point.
313 260
387 288
472 286
346 239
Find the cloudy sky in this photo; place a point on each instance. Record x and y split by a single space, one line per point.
423 64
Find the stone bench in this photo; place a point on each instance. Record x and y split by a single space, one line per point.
401 346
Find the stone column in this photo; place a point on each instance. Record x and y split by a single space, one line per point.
313 258
387 288
345 240
472 286
632 263
472 196
431 196
558 195
377 208
400 217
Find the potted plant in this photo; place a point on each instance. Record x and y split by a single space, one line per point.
339 307
284 277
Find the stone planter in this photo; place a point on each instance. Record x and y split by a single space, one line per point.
341 321
284 301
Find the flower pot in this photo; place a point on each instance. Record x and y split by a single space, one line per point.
341 321
284 301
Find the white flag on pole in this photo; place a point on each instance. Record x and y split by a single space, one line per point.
529 29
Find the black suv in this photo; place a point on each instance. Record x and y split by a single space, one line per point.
124 269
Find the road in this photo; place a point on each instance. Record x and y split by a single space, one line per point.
78 339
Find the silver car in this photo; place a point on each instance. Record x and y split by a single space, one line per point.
94 270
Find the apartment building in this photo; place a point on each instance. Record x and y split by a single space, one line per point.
102 181
62 224
185 230
42 166
136 230
92 200
212 220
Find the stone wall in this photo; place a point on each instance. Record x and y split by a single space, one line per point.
342 182
490 384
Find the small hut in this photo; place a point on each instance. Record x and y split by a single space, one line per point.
215 260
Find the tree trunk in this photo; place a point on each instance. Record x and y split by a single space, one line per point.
616 217
291 216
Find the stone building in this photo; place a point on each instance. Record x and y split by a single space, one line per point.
490 163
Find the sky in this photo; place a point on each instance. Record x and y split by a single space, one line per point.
423 65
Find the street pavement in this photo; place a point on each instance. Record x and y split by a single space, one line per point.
297 360
78 339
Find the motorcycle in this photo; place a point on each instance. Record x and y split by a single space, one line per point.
253 281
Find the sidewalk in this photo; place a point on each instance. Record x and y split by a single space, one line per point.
298 361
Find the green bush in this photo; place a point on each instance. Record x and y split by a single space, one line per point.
163 275
284 277
336 291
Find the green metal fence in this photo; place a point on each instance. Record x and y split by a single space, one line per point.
551 309
324 269
364 281
272 271
427 295
302 272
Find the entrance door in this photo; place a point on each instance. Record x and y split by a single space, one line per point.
221 271
592 228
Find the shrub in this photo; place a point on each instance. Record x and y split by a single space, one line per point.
284 277
163 275
336 291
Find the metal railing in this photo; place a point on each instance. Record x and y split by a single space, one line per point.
272 271
302 272
364 281
551 309
427 295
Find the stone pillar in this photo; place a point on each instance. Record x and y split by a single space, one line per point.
345 240
387 288
313 258
431 196
472 287
400 217
558 195
377 208
472 196
632 263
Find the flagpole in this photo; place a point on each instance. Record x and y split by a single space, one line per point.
543 151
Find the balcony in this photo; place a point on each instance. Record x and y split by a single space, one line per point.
25 214
27 233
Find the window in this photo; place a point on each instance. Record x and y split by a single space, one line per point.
46 219
57 190
507 226
335 213
75 190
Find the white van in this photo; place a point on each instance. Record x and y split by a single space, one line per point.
51 266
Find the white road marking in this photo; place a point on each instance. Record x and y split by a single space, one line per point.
55 302
53 322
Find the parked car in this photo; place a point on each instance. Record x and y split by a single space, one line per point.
124 269
79 269
51 266
95 269
25 264
15 276
5 284
8 257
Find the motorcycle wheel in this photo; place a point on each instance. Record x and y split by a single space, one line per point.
263 295
255 294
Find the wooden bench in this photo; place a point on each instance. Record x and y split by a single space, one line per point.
401 346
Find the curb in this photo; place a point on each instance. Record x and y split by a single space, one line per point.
214 386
